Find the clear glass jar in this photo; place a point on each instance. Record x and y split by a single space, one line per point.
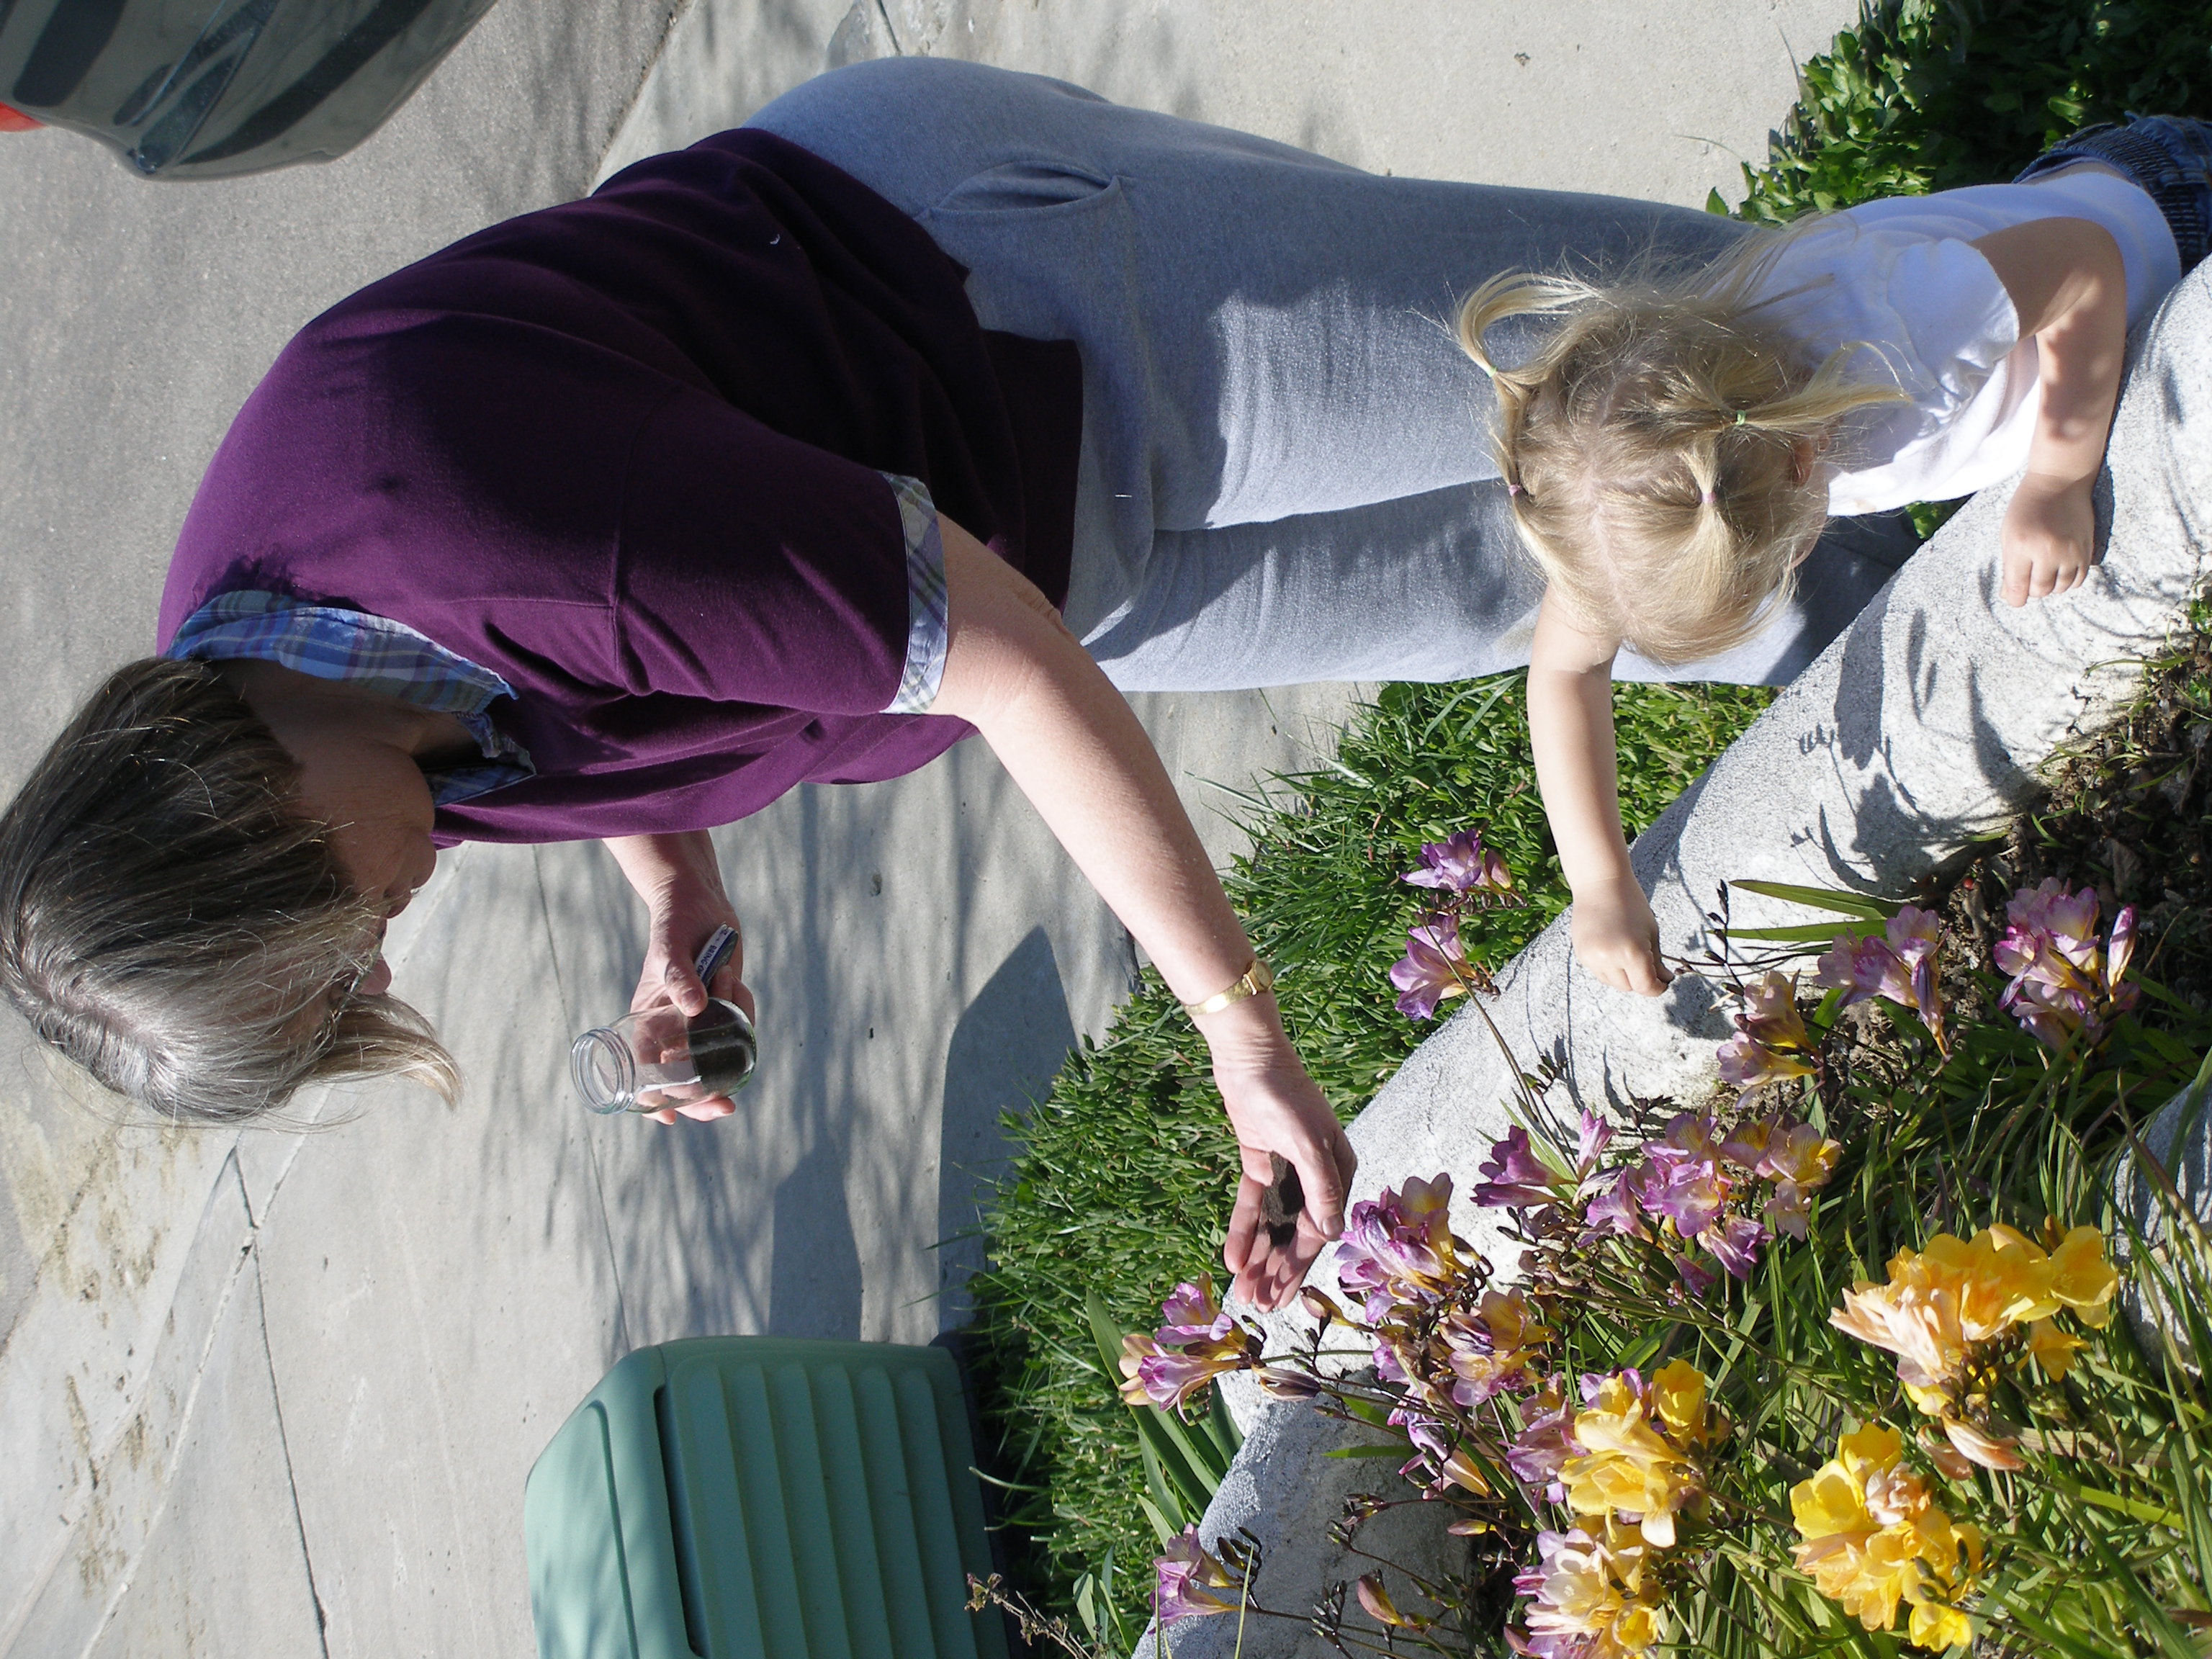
656 1058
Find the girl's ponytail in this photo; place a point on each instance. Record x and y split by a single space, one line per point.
1653 442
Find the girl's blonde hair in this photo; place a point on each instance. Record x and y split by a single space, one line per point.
1651 445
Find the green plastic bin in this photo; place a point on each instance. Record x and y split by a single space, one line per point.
737 1497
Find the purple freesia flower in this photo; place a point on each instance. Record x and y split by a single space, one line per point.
1690 1135
2063 979
2050 916
1862 967
1771 1043
1460 864
1596 1135
1615 1210
1434 967
1688 1192
1745 1144
1398 1246
1514 1177
1169 1379
1546 1442
1789 1210
1187 1577
1900 967
1191 1314
1734 1244
1798 1159
1697 1279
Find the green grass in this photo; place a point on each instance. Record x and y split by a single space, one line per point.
1122 1186
1938 94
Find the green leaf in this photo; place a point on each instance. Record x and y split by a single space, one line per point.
1165 1530
1823 898
1809 932
1399 1452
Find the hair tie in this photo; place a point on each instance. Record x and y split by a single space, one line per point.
1706 495
1513 490
1742 417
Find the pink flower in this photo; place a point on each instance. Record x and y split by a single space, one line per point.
1900 967
1461 864
1187 1577
2049 914
1398 1247
1546 1442
1862 968
1614 1210
1734 1244
2064 982
1197 1343
1191 1313
1514 1177
1798 1159
1697 1279
1435 966
1489 1349
1687 1192
1745 1144
1596 1135
1771 1043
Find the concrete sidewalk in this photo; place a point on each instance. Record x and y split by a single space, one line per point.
275 1393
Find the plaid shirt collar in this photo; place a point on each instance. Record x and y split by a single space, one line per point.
385 657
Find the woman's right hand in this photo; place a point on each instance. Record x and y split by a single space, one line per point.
1616 937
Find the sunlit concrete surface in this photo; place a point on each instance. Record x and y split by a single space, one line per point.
275 1393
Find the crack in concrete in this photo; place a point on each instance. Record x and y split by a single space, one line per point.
284 1446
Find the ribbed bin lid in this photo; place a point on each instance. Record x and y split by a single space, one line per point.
735 1497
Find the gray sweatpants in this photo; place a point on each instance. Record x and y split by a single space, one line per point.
1286 473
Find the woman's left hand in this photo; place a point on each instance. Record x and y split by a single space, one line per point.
681 884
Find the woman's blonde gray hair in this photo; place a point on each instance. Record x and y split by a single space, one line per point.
171 922
1652 446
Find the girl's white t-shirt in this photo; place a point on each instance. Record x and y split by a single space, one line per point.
1901 275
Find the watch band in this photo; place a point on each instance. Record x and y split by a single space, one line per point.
1253 980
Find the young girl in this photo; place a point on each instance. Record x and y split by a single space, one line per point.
1675 448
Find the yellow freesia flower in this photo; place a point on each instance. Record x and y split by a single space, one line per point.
1936 1627
1630 1468
1592 1585
1918 1324
1942 1301
1678 1395
1874 1539
2052 1348
2082 1278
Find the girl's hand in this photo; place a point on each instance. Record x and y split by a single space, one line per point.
1274 1107
1616 937
2050 538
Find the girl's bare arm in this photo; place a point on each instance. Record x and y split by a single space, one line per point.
2069 287
1571 730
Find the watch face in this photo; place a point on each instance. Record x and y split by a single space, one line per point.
207 89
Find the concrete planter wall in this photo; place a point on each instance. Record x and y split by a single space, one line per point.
1918 731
